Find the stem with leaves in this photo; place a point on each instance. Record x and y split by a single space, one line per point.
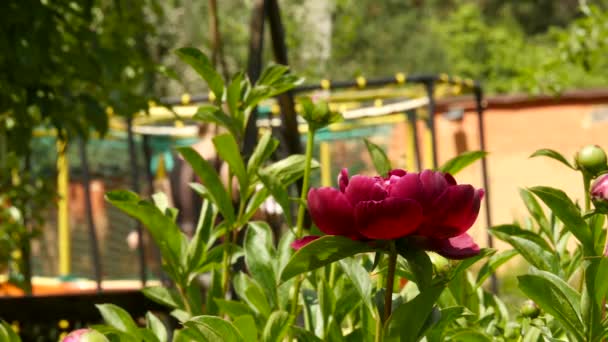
388 292
310 140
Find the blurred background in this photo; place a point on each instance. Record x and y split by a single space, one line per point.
92 72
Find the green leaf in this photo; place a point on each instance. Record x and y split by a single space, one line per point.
233 96
567 212
303 335
252 293
493 263
198 245
233 308
162 228
276 327
213 114
448 316
469 335
260 256
290 169
210 179
456 164
7 334
214 291
536 211
360 280
202 65
246 326
118 318
379 158
601 283
165 296
531 246
418 262
464 265
228 149
321 252
215 329
407 321
157 327
263 150
279 192
553 155
555 297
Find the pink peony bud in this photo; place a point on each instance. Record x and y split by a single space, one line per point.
599 193
84 335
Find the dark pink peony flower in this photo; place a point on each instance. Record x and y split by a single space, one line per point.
429 205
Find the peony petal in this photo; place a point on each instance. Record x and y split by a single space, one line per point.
459 247
343 179
389 219
397 172
454 212
434 184
408 186
303 241
331 212
361 188
450 179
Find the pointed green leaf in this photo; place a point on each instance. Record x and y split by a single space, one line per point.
419 263
215 329
7 333
263 150
360 279
198 245
531 246
157 327
118 318
536 211
493 263
321 252
279 192
228 149
252 293
164 231
233 308
464 265
407 321
213 114
246 326
379 158
276 327
458 163
290 169
553 155
260 256
202 65
555 297
567 212
165 296
210 179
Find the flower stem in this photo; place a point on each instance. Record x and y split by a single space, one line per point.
390 282
310 140
587 185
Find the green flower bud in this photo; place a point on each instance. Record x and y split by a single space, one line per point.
530 309
591 159
318 115
85 335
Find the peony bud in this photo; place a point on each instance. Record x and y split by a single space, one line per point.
591 159
85 335
530 309
599 193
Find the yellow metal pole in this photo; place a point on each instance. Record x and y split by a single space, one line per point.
325 156
410 154
428 147
63 222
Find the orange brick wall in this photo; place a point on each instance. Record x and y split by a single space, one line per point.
511 136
